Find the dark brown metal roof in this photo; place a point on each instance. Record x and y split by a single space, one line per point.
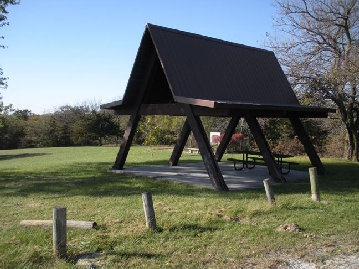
204 71
209 69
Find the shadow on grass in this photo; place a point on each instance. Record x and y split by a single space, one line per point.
192 227
92 179
96 255
340 177
87 179
22 155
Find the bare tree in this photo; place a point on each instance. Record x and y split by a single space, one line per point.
317 42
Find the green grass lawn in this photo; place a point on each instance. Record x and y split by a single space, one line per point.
197 227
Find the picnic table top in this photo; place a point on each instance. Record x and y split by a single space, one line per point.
277 155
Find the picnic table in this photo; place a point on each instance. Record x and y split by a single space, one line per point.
249 161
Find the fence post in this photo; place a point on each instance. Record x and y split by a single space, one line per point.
149 211
314 183
269 191
59 231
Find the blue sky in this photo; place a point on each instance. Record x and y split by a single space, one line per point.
70 52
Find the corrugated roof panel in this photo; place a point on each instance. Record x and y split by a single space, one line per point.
204 68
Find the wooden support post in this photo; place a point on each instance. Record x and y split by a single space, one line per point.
308 146
227 137
314 186
149 211
205 149
181 142
59 232
269 191
256 131
135 117
126 141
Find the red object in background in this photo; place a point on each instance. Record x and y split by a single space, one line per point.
235 139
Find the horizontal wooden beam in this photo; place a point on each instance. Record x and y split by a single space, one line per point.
80 224
176 109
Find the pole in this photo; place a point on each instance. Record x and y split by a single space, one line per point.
59 231
314 183
269 191
149 211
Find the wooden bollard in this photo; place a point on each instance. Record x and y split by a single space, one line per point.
149 211
269 192
314 185
59 231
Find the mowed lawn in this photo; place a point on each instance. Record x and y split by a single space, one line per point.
197 227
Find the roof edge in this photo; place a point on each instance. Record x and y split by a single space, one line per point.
111 105
194 101
208 38
299 107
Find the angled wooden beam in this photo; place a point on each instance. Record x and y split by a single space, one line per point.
135 116
256 131
308 146
226 138
181 142
205 149
126 142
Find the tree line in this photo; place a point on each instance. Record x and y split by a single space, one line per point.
87 125
83 125
67 126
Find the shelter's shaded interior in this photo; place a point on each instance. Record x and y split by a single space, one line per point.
158 91
184 74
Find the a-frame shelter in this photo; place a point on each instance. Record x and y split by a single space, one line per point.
184 74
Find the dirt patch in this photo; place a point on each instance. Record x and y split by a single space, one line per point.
88 260
338 262
291 227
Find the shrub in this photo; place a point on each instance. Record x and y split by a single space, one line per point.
234 143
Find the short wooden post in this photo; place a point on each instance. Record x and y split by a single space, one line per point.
59 231
149 211
314 183
269 191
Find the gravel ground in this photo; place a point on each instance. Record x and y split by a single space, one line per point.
340 262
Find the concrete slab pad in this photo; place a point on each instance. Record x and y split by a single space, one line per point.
196 174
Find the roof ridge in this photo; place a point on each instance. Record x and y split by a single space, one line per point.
208 38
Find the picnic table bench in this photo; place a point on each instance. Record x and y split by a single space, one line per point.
250 162
193 150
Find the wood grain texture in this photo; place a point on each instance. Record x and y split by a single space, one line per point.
180 144
80 224
308 146
59 232
269 191
205 149
226 138
258 135
314 183
135 116
149 211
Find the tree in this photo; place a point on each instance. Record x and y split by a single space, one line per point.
102 124
4 22
317 43
159 130
12 126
